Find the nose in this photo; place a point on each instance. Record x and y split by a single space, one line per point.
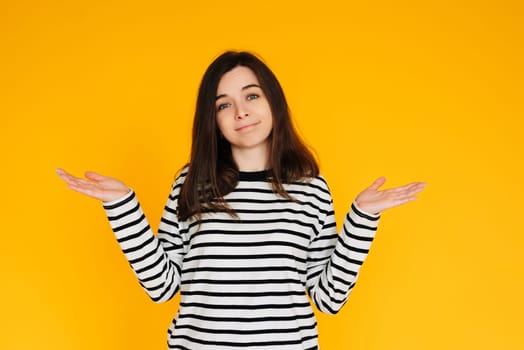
241 115
241 112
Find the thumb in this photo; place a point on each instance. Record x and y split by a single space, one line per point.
91 175
377 183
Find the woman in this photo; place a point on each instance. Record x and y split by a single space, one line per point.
248 230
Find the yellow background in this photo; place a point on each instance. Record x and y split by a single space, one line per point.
411 90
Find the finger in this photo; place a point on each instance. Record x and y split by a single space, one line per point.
409 187
70 179
404 195
417 184
399 200
87 186
80 185
377 183
415 188
84 182
89 191
405 200
66 176
62 173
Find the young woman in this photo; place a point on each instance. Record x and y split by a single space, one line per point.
248 230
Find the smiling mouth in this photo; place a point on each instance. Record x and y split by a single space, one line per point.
247 126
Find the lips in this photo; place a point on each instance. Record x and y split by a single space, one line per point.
243 127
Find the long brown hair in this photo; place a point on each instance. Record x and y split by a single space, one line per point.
212 172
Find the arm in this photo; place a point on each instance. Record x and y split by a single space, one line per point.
335 260
156 260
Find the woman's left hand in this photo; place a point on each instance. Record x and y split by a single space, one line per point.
374 201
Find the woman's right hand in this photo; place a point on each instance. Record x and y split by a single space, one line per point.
96 186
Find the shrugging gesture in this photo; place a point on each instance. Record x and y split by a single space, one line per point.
371 199
244 278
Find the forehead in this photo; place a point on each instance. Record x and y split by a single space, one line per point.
236 79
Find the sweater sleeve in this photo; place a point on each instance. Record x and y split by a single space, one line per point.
335 259
155 259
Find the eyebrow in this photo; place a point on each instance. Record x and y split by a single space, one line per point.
244 88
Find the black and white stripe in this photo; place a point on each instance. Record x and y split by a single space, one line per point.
244 281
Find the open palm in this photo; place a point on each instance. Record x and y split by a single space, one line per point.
373 200
95 185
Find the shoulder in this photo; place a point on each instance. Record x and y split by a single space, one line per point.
318 182
316 186
180 176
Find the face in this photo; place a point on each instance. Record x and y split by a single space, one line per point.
243 113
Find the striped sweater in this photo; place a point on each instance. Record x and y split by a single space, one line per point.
244 282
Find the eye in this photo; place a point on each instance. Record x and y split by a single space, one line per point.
223 106
252 97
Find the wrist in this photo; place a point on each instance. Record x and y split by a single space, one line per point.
117 196
366 209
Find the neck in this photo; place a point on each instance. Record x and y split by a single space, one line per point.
251 159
